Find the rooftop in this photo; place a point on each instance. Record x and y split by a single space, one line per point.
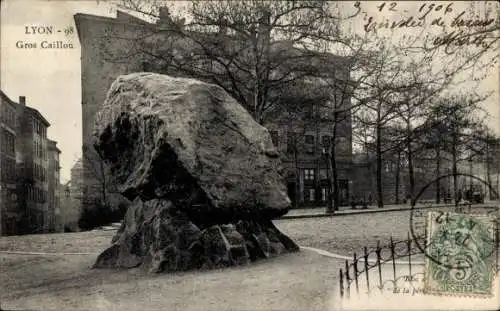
37 114
6 99
53 145
31 110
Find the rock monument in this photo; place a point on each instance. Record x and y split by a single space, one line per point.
204 177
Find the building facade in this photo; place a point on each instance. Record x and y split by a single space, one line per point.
33 169
25 170
9 212
304 142
53 217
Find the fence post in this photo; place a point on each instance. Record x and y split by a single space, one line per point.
366 270
377 251
341 284
356 273
347 280
393 255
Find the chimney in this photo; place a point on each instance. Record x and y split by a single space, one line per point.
22 100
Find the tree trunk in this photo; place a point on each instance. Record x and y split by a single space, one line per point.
297 176
411 172
497 189
333 162
369 173
380 200
317 157
454 169
329 208
438 174
335 183
396 190
488 173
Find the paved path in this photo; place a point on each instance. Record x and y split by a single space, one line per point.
345 210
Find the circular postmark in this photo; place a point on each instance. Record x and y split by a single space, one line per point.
455 235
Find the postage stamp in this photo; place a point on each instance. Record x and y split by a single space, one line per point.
461 254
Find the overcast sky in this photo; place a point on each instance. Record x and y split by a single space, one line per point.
50 78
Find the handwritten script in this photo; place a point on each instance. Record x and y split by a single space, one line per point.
451 26
410 285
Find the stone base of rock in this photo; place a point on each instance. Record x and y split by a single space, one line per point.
160 237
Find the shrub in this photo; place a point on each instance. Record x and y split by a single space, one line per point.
99 215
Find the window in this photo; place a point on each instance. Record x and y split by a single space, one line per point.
309 174
311 195
37 148
291 142
8 142
323 194
325 140
274 137
11 169
310 111
309 139
323 174
388 167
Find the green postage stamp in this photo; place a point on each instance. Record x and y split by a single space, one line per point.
461 254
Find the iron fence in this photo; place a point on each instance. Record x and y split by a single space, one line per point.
358 268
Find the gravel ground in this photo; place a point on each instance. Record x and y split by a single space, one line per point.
78 242
298 281
350 233
302 281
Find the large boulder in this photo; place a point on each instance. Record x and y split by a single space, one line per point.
166 137
161 238
204 177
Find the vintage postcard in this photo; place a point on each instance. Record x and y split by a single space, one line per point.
249 155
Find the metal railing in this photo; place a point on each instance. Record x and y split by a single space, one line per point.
360 266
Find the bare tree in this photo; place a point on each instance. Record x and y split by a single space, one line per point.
253 49
458 120
95 165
